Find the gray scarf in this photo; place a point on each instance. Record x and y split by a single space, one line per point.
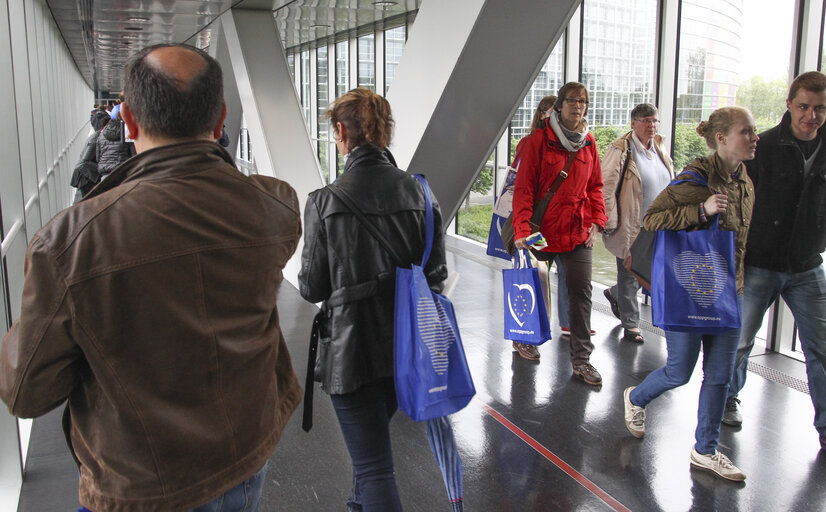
571 140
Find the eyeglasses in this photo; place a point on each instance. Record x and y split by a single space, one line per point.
572 101
648 121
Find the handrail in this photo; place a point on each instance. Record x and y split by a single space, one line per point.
9 239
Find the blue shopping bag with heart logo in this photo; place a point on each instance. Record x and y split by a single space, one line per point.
526 318
694 281
431 371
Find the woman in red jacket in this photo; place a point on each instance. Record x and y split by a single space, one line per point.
575 215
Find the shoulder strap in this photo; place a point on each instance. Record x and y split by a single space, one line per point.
428 219
622 173
542 206
371 228
693 176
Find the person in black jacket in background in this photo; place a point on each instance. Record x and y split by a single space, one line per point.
112 148
787 237
86 174
344 266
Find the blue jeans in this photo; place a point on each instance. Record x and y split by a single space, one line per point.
364 416
805 294
244 497
719 351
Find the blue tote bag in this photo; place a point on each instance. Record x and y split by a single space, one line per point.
431 372
694 281
526 318
502 209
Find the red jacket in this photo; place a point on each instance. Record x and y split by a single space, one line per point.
576 205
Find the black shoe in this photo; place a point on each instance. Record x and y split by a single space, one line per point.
633 336
612 301
732 415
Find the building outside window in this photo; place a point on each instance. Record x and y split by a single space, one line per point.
306 89
342 86
393 47
367 62
322 95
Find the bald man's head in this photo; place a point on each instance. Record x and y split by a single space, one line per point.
174 91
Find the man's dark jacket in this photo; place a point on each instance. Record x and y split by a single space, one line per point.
788 227
151 306
339 253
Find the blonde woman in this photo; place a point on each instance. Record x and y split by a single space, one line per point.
730 132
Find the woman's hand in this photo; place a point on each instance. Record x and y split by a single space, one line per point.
592 235
715 204
521 243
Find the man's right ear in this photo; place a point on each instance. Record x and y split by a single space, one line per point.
133 132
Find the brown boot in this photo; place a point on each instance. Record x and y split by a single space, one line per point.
588 373
529 352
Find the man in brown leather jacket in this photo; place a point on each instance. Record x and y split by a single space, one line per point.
151 306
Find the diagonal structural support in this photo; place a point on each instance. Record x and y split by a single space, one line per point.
466 67
232 124
280 138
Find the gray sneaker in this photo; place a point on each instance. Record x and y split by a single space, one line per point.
634 415
732 416
718 464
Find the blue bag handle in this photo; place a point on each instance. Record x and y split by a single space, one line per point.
521 259
697 178
428 219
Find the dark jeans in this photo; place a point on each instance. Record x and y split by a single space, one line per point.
625 293
244 497
577 267
364 416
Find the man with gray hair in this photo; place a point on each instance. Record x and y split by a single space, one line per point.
635 169
151 307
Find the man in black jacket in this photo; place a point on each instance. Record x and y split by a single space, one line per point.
786 238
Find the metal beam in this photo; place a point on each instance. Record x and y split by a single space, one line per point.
466 67
280 140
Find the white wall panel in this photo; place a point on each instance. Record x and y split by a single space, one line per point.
45 118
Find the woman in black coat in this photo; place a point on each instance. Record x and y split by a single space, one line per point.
346 268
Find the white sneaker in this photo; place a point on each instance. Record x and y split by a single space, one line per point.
634 415
717 463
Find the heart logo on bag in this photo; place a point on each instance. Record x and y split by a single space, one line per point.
703 276
522 303
435 331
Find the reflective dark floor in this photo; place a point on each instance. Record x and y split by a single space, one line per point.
534 439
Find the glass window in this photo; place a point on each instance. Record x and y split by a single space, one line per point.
474 216
306 93
619 49
367 62
342 86
291 64
763 70
342 68
322 65
548 81
393 46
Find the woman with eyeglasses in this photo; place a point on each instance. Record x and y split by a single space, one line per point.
575 215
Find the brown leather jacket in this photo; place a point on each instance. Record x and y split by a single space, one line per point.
151 306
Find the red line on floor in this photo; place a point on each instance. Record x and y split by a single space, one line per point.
555 460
